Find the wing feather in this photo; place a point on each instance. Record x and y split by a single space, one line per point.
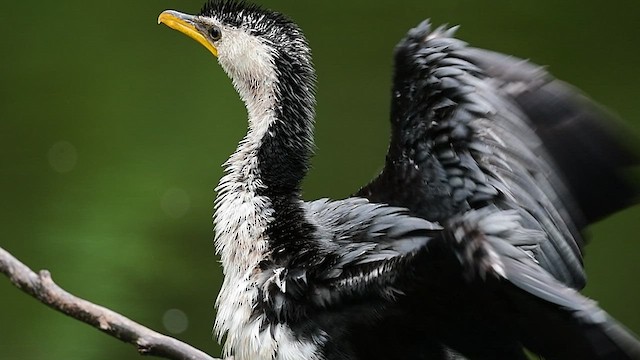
465 134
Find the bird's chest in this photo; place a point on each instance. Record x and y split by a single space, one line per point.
257 340
241 222
250 333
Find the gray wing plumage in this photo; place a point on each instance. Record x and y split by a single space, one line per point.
366 245
515 164
358 249
592 150
543 314
566 324
471 128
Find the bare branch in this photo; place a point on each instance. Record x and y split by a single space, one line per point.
147 341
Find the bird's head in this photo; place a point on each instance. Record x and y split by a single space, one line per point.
258 48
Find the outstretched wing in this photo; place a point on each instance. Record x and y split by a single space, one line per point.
357 251
367 247
592 150
515 164
538 311
472 128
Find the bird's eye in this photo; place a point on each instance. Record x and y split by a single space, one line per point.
215 33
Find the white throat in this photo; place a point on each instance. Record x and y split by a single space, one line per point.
241 215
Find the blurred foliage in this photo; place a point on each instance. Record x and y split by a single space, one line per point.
113 130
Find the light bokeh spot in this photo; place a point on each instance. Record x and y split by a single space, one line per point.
175 202
175 321
62 156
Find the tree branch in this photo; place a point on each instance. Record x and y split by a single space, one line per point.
42 287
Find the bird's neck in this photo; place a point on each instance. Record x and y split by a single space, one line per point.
259 189
269 163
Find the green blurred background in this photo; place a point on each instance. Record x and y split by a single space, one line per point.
113 129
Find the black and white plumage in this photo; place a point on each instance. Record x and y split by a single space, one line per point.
474 130
483 256
477 127
290 267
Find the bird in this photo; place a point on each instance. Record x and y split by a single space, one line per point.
468 245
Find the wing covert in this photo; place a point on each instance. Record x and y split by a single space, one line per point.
359 249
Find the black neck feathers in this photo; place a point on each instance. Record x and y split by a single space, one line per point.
286 148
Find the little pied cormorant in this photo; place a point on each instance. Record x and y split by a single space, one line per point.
469 239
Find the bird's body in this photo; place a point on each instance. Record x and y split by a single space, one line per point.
469 239
278 252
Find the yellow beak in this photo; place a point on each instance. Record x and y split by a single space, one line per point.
186 24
